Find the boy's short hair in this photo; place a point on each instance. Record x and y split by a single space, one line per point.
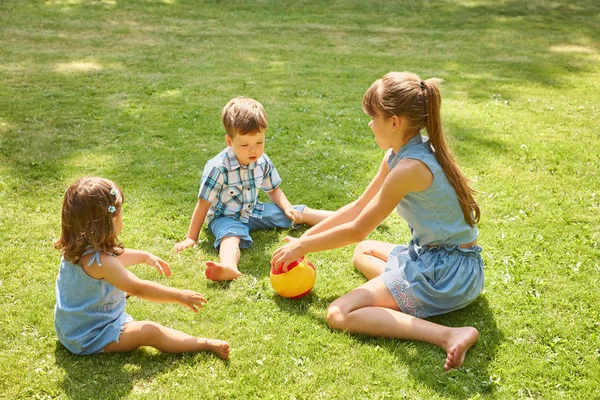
243 116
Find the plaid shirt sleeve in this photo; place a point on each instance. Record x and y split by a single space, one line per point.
211 184
271 179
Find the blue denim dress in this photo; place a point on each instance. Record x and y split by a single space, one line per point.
433 275
89 313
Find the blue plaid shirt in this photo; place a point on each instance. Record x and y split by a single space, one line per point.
232 189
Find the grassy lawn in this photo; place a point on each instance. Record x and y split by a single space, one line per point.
132 91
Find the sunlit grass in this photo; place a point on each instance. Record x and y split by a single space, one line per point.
133 90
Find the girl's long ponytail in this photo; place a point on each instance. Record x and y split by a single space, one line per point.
437 141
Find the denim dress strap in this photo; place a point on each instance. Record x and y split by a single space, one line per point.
95 256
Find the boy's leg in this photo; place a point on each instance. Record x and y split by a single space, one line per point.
229 257
147 333
371 309
274 217
230 235
312 217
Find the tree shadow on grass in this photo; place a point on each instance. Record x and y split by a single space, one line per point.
114 376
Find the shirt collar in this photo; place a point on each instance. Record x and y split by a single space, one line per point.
395 157
234 163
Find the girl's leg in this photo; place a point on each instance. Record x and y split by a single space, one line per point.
371 309
370 257
229 257
147 333
312 217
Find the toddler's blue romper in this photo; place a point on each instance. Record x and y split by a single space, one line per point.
89 313
433 275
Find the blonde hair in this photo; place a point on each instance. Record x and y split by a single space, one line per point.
243 116
89 207
419 102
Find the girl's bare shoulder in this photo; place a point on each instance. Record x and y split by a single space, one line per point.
95 269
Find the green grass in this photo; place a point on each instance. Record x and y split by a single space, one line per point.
132 91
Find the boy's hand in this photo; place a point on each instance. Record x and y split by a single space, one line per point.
159 264
192 300
294 215
184 244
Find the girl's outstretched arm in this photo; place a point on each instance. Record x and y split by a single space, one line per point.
133 257
408 176
116 274
350 211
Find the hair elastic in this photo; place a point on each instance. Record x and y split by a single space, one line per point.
422 85
112 209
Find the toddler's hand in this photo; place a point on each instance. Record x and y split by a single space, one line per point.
192 300
159 264
184 244
294 215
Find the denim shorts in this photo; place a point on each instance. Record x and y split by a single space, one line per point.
427 281
273 217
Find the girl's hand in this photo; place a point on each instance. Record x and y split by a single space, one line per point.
192 300
285 255
159 264
184 244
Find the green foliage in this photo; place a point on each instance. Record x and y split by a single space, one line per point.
132 91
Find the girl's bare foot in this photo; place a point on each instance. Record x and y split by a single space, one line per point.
220 272
219 347
458 344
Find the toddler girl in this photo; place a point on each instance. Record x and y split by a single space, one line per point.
89 315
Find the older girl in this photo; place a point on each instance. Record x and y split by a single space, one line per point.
441 269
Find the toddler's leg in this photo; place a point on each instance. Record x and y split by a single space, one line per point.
229 257
312 217
147 333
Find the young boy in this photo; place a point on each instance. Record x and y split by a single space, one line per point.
228 197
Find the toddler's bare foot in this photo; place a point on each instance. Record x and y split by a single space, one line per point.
219 347
459 343
220 272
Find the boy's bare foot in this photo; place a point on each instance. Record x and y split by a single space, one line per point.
459 343
219 272
299 217
312 217
219 347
